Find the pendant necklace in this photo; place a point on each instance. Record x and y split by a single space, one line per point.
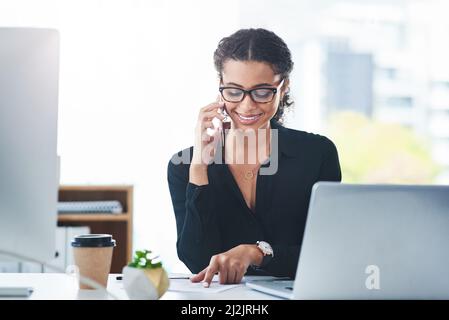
249 175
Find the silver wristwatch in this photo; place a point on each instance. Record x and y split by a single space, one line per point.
267 251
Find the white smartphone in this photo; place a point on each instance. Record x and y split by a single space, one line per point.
226 123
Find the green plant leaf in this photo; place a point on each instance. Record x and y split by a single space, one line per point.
143 259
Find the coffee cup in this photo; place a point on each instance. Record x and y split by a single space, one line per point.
93 257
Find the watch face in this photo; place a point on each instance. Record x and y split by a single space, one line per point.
265 247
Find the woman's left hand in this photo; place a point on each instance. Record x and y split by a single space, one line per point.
231 265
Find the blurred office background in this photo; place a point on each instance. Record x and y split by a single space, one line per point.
371 75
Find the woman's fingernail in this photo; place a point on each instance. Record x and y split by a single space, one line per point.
205 284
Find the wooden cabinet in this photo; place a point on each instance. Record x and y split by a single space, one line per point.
118 225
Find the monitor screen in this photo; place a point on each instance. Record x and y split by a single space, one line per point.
29 72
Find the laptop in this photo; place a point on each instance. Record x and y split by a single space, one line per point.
371 242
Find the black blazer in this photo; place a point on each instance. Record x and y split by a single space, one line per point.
214 218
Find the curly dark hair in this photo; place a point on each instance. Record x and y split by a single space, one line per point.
257 45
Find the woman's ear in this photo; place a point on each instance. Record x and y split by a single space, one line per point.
285 88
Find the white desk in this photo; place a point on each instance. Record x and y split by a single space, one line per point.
59 286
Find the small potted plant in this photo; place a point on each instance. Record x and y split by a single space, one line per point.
144 278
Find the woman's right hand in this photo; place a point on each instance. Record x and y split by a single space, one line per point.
205 146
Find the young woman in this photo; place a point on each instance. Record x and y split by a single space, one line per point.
232 219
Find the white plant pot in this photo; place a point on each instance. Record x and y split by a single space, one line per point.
145 284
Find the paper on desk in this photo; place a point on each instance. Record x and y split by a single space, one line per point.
185 285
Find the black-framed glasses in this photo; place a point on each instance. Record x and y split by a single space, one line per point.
258 95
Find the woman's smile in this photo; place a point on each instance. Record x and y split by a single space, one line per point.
248 118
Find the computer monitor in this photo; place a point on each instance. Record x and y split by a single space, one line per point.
29 67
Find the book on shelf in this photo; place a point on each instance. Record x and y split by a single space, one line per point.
112 207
